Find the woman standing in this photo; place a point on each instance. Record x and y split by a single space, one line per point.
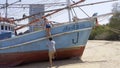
48 26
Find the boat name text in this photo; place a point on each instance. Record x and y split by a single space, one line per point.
73 27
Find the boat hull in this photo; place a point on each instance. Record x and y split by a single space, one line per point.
70 42
13 59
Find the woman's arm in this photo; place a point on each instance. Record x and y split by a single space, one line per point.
51 23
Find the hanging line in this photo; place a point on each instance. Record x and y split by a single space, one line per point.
74 15
81 9
74 12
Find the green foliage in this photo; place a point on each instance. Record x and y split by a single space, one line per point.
114 27
97 31
115 21
110 31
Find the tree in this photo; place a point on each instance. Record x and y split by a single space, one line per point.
114 27
116 8
98 32
115 21
110 31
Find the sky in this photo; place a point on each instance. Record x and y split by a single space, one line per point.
90 10
60 17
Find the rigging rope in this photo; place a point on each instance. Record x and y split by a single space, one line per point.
105 17
81 9
74 11
57 10
54 11
115 30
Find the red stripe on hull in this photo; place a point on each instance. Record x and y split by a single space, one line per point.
13 59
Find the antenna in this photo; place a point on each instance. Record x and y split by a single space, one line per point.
6 6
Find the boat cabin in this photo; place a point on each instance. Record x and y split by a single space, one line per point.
6 28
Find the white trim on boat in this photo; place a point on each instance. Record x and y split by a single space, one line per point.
18 45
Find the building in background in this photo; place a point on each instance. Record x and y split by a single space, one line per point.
36 8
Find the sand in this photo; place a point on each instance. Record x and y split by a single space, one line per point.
97 54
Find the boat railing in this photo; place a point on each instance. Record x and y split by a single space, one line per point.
23 44
32 36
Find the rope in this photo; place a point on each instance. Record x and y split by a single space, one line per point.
115 30
81 9
54 11
73 11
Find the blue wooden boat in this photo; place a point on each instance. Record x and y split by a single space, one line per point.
71 39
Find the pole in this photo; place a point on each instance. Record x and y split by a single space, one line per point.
6 8
69 15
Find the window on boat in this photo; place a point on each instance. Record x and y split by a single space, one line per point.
12 28
2 27
9 27
5 27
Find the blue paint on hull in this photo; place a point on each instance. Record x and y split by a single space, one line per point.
5 35
33 42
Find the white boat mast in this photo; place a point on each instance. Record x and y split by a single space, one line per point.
69 15
6 6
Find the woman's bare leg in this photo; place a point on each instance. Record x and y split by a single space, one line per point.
48 32
50 58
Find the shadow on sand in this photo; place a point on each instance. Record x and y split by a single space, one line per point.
56 63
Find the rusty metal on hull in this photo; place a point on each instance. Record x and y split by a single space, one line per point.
13 59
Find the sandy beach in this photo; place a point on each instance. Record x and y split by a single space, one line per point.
97 54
